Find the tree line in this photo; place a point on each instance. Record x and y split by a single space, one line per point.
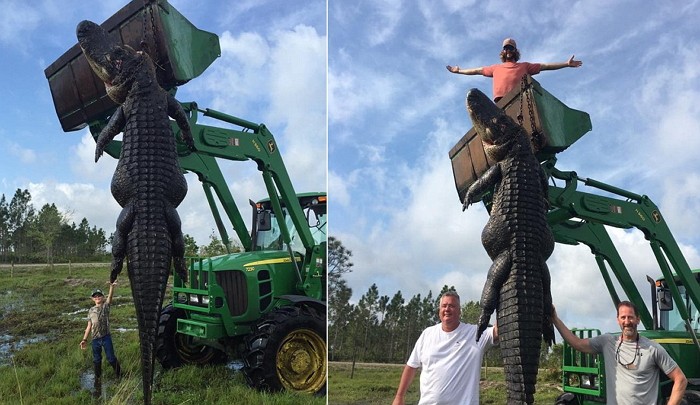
382 328
28 235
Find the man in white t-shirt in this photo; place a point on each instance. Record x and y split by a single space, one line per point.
450 359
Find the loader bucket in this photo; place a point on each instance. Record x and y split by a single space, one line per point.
558 127
180 50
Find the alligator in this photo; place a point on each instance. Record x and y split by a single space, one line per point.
148 182
518 240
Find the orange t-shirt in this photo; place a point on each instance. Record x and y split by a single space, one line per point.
507 75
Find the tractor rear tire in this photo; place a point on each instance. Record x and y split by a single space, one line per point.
174 349
287 351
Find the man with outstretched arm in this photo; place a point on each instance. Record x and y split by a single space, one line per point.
507 75
632 362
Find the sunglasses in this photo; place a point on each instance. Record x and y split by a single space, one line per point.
509 48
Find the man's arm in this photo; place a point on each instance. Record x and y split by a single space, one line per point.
406 380
582 345
679 384
111 292
472 71
555 66
83 342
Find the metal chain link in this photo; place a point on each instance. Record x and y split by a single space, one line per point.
144 43
148 6
536 136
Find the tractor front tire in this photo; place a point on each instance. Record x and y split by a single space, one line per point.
691 398
287 351
174 349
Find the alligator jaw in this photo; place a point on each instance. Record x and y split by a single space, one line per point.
494 127
98 49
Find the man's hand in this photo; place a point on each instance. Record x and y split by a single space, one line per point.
399 400
453 69
574 63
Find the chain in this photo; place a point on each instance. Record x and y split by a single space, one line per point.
148 6
144 42
536 136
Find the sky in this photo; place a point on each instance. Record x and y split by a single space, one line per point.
272 70
358 97
395 112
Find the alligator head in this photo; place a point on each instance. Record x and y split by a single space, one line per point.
113 63
497 130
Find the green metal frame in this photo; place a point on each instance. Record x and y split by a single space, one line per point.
583 373
580 217
255 143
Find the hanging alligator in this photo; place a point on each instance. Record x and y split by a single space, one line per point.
518 240
148 182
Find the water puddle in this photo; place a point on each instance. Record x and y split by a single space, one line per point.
235 365
9 345
87 383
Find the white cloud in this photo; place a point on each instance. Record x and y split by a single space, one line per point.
24 155
83 162
401 216
338 189
17 19
298 103
79 200
355 92
278 80
388 14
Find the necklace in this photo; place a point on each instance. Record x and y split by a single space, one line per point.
631 364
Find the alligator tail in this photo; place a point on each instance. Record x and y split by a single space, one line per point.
149 257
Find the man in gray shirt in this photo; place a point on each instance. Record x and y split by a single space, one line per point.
632 362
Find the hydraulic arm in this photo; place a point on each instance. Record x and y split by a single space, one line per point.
255 142
593 211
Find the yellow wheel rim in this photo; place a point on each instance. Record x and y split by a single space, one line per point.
301 361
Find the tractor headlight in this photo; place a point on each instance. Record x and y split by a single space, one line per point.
181 298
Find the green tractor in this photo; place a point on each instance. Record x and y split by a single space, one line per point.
265 305
580 217
254 305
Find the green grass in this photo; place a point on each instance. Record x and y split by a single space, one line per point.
373 384
43 315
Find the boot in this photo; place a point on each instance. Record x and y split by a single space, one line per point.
117 368
98 372
98 380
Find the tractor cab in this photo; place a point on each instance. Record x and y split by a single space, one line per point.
267 231
669 317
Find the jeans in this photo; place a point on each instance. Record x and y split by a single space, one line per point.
98 344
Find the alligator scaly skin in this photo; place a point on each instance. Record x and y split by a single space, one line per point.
148 182
518 240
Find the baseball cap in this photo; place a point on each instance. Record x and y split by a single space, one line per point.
96 291
511 42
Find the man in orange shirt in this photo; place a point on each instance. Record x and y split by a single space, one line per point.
507 75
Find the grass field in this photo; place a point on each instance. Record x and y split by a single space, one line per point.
374 384
42 319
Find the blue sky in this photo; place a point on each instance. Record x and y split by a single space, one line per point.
395 112
272 70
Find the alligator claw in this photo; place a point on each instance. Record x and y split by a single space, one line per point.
466 204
